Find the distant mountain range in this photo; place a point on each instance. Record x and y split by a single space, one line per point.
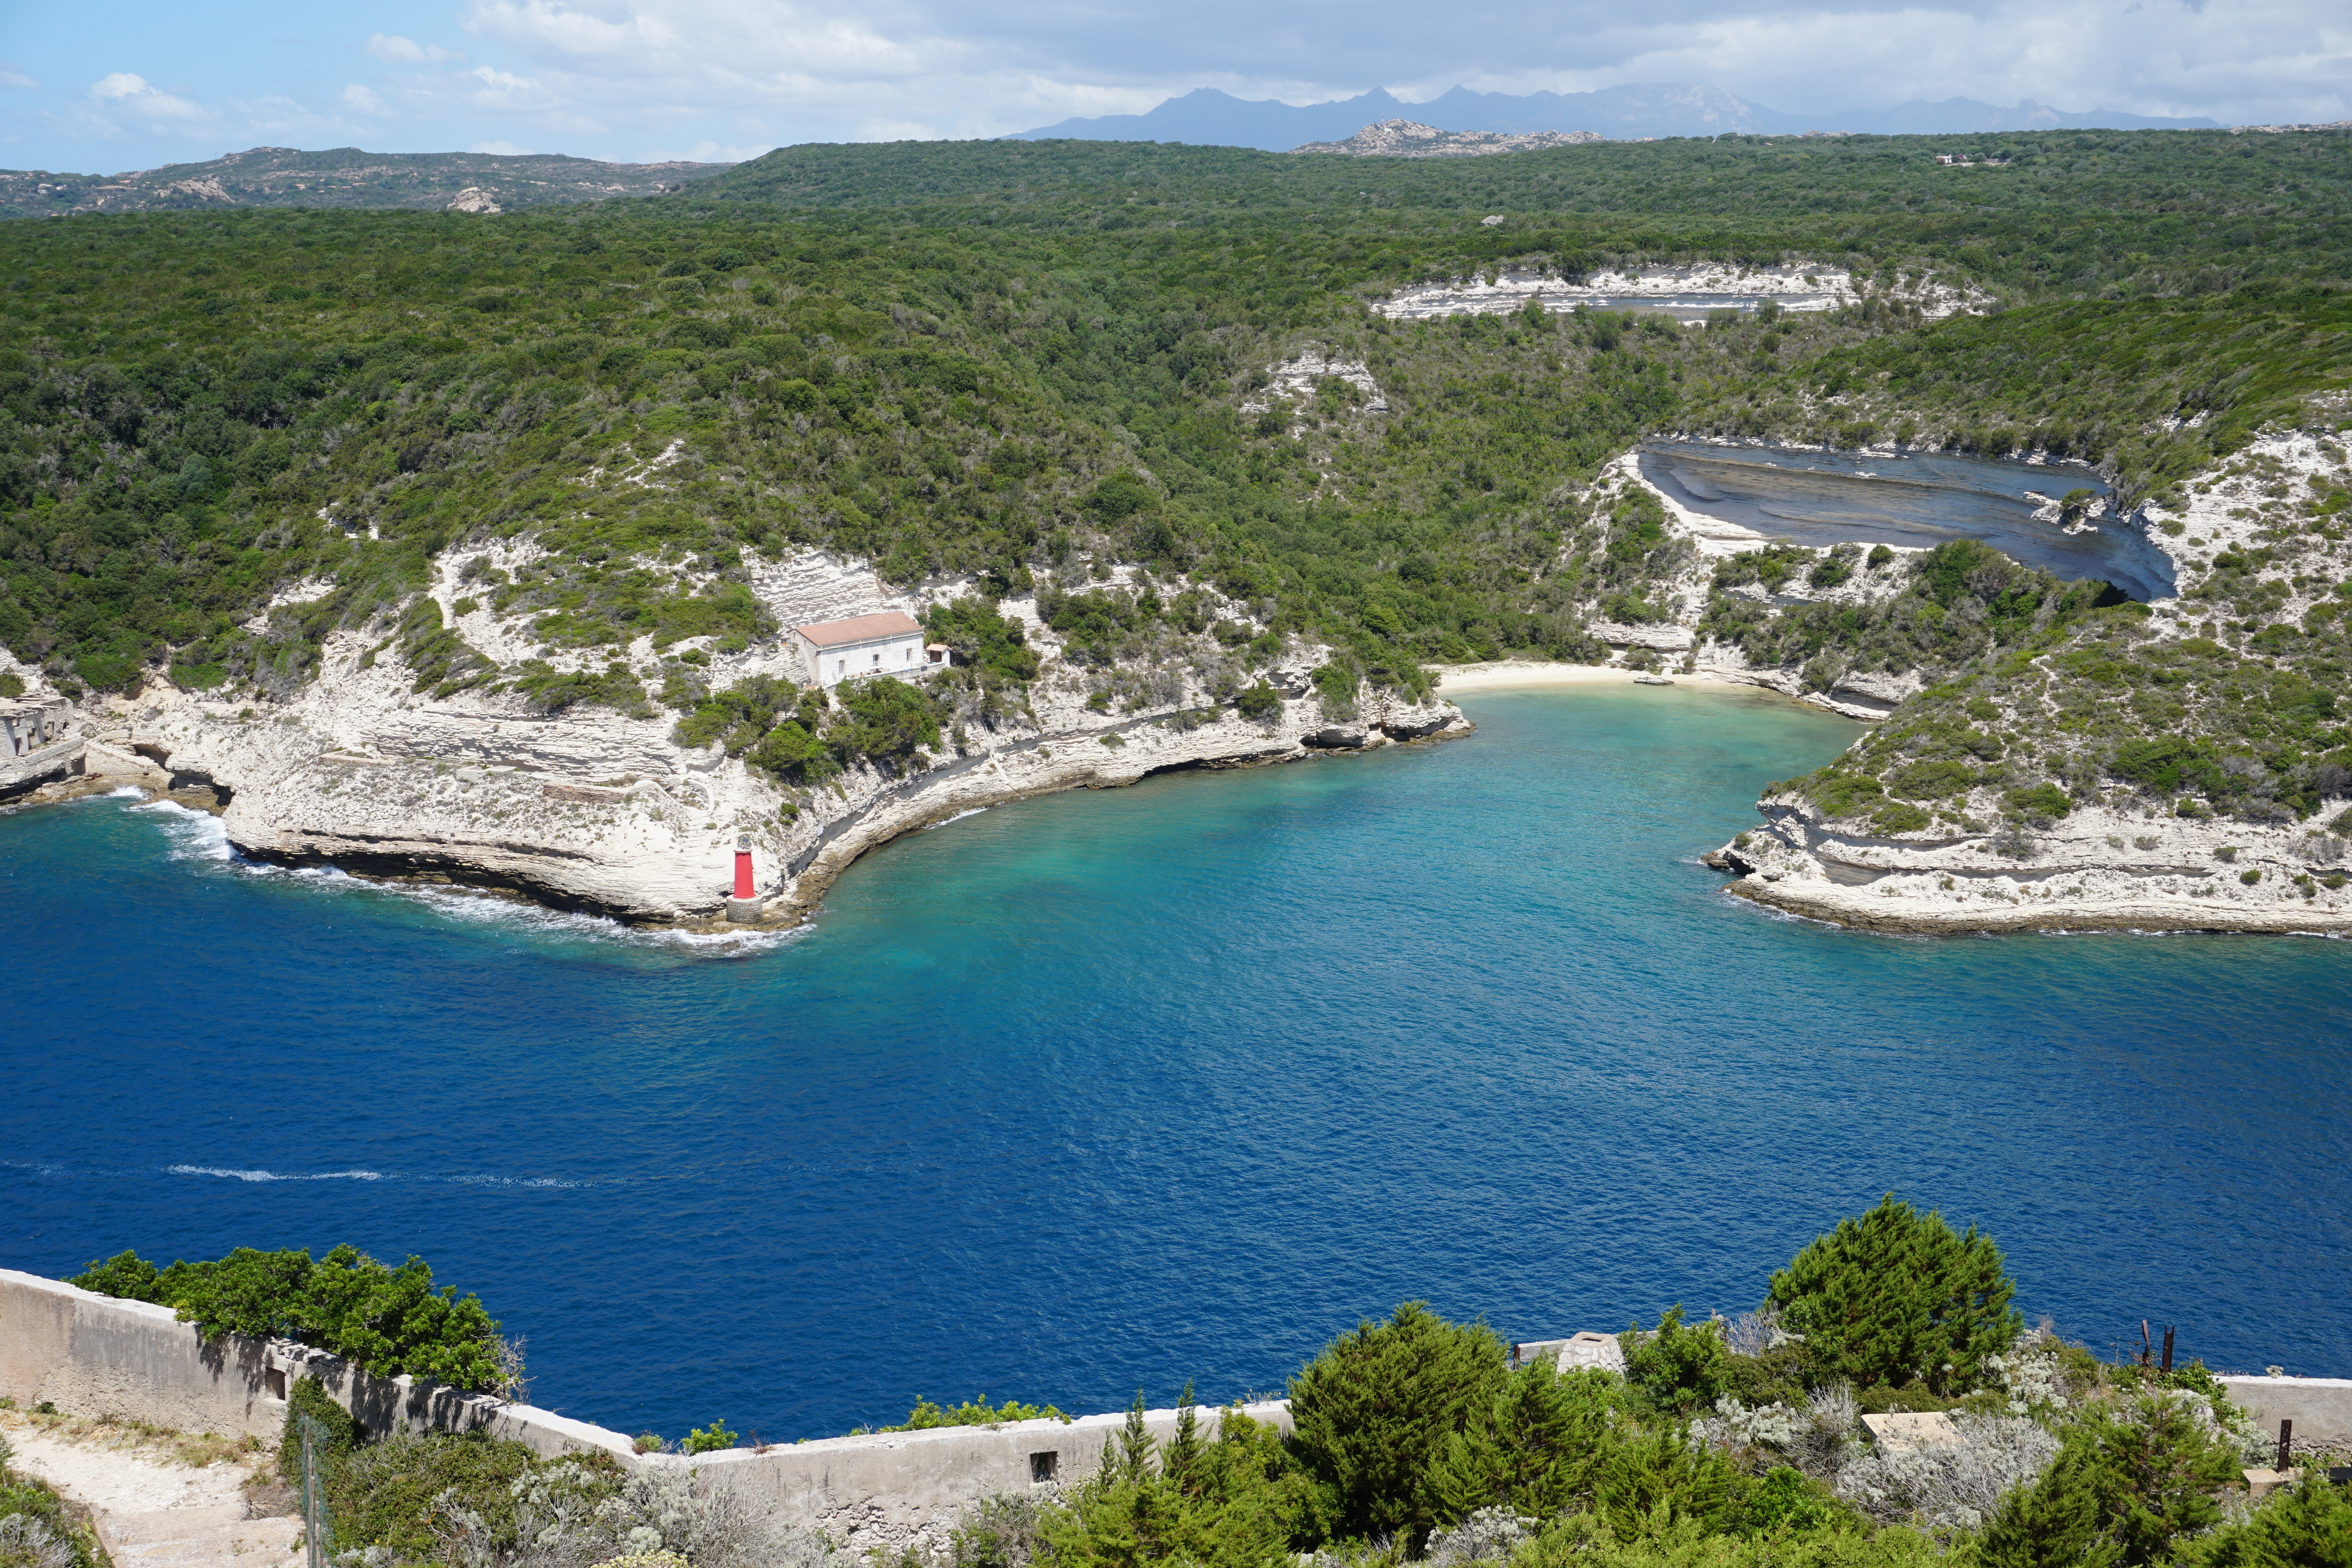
344 177
1208 117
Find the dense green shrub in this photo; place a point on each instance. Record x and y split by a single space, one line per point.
2309 1525
337 1433
1258 703
1376 1410
883 720
977 633
1533 1449
1654 1480
1338 683
2125 1488
388 1493
389 1321
1238 1500
2040 800
711 1439
1895 1296
971 1413
36 1530
1681 1368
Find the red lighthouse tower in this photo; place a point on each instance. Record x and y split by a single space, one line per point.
745 905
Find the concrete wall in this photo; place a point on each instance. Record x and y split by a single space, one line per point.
2320 1407
895 1489
96 1355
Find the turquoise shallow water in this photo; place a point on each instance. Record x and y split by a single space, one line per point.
1111 1090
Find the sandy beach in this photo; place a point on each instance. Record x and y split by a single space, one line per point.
1518 674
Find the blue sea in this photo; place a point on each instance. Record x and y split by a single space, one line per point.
1110 1091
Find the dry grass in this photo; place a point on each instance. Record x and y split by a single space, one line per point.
197 1450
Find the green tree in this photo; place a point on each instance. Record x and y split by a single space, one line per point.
1258 702
2124 1490
389 1320
1682 1367
1374 1413
1533 1448
882 720
2309 1525
1236 1501
1895 1296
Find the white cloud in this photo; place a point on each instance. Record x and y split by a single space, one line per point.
500 149
2230 60
129 91
395 51
497 89
808 69
727 78
11 76
567 30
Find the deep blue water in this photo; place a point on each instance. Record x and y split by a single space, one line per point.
1108 1090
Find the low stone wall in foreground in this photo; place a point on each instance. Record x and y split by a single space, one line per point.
96 1356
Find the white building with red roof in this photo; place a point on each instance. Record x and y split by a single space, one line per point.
888 643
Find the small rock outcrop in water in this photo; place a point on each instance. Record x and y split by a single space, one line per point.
1410 139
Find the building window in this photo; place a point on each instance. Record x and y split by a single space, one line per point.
1041 1466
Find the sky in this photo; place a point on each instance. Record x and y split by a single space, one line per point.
108 86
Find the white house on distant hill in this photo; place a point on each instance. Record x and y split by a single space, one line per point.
889 643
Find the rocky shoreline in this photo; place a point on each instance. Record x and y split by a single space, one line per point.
595 811
2099 869
2129 859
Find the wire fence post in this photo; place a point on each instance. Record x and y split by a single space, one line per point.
314 1492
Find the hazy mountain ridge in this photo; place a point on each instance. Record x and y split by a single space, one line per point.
1620 113
344 177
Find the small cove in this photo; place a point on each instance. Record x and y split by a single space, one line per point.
1108 1090
1916 499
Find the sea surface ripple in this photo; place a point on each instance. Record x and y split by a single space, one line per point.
1108 1091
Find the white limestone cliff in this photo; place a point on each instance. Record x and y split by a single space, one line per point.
2121 863
590 809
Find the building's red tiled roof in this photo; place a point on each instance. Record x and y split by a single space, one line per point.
861 629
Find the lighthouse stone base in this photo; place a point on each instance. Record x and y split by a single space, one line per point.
744 910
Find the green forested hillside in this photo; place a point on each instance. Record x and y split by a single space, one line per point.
2078 212
980 358
338 177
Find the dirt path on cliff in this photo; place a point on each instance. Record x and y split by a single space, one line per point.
157 1505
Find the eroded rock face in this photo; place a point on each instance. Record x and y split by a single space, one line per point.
1795 285
2096 868
2129 858
592 808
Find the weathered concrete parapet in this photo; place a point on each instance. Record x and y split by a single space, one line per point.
2320 1407
900 1489
100 1356
405 1403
